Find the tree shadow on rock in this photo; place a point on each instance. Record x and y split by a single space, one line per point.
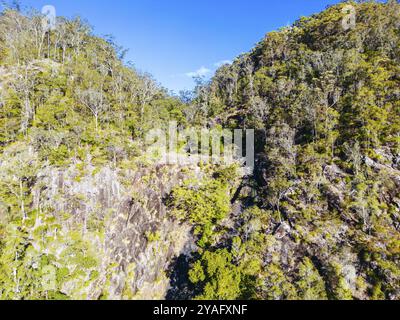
180 286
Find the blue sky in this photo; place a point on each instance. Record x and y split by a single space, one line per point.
176 39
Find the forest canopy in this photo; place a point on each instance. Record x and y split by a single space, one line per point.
85 214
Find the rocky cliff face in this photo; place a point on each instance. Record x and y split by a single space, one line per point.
135 238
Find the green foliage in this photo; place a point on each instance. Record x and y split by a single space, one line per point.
339 287
203 203
217 275
276 286
31 268
153 236
311 286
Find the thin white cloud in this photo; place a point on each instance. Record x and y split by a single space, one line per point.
203 71
221 63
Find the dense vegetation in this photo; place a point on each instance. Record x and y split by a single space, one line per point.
318 219
320 216
66 100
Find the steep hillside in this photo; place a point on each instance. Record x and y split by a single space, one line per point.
321 214
87 213
81 208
